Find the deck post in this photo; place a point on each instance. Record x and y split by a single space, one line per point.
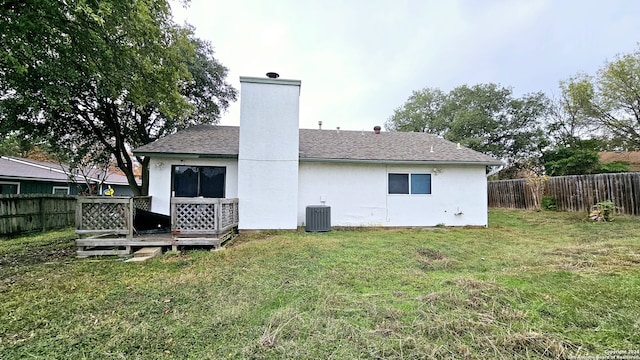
217 207
130 220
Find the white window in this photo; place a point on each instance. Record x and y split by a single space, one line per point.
409 183
9 188
61 190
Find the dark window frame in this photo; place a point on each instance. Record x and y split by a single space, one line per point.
9 184
399 189
199 173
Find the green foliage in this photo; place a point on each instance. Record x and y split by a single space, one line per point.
104 77
570 161
615 167
532 285
485 117
602 211
612 98
569 121
580 158
549 203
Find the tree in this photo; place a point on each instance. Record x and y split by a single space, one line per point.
569 120
485 117
612 97
111 75
420 113
580 158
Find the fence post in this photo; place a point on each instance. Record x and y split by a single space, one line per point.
43 219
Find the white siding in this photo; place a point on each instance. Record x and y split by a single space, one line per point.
358 195
268 154
160 179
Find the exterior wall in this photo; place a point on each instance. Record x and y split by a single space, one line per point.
358 195
268 153
37 187
160 179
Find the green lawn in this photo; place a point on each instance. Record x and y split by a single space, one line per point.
532 285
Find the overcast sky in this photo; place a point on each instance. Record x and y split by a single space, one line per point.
358 60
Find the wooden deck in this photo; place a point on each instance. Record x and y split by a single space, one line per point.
104 225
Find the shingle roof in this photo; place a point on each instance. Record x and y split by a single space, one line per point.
27 169
332 145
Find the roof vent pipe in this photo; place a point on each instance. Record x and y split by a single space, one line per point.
376 129
273 75
320 125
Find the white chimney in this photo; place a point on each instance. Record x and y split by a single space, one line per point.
268 153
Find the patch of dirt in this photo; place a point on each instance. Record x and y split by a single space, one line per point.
52 252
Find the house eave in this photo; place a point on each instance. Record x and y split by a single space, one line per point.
257 80
314 159
23 178
165 155
402 162
59 181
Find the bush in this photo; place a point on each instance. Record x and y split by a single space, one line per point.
549 203
602 211
615 167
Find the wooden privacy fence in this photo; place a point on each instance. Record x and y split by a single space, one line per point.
572 193
25 213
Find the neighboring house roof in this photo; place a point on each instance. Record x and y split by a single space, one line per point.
14 168
323 145
631 157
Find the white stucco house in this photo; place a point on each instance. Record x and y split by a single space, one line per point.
276 170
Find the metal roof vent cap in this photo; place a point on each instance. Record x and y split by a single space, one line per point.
273 75
376 129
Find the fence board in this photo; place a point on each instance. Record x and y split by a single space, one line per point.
27 213
572 193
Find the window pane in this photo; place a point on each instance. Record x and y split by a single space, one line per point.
398 183
8 189
185 181
212 182
61 191
421 183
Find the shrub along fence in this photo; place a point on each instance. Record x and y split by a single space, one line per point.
572 193
35 212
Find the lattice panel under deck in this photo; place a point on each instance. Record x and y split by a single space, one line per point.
195 217
104 216
142 204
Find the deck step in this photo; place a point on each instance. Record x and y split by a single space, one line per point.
148 252
139 259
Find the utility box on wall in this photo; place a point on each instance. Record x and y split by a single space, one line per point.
318 218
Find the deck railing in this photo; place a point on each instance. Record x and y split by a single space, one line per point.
203 216
108 215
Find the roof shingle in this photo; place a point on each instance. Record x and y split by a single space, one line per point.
12 167
336 145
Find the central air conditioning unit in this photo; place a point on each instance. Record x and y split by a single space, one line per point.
318 218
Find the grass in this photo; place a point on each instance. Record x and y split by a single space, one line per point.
533 285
